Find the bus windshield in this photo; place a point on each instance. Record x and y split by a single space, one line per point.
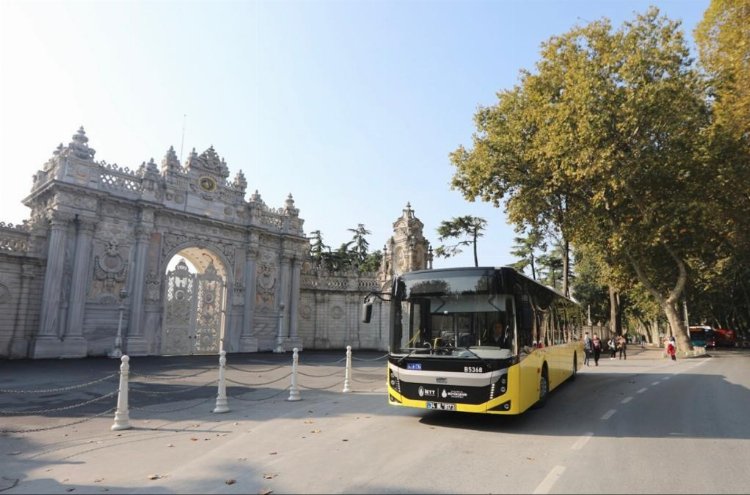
453 316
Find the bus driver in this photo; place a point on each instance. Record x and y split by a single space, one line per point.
498 334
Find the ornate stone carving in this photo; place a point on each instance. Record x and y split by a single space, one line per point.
153 287
110 271
266 275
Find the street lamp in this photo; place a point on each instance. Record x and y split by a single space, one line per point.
280 334
117 351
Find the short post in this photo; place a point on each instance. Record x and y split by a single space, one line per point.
122 417
294 391
222 405
347 374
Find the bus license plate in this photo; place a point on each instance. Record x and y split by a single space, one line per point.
441 406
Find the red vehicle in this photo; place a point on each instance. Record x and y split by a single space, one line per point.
725 337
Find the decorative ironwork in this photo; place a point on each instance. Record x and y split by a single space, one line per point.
194 311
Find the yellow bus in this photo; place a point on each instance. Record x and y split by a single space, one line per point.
481 340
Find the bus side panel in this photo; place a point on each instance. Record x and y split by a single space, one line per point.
528 388
561 358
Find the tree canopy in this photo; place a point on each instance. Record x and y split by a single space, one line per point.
606 140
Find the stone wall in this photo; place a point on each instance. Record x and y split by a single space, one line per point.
330 309
21 279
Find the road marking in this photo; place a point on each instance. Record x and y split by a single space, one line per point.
608 414
626 400
642 390
546 485
582 441
654 383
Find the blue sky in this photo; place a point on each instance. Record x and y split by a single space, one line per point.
350 106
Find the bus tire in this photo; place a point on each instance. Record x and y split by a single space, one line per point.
543 388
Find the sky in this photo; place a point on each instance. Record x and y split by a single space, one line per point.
352 107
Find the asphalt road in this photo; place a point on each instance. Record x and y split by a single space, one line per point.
644 425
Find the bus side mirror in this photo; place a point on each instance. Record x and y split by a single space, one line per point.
366 313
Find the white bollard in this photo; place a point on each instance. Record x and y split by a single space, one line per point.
122 417
222 405
294 391
348 372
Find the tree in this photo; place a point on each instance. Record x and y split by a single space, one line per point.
358 246
466 226
525 247
723 40
605 141
317 247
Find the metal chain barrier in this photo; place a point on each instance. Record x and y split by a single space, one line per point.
373 359
257 371
173 409
261 399
169 377
57 409
319 376
259 384
187 389
60 389
33 430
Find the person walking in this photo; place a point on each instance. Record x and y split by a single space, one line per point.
622 346
672 348
612 347
586 349
596 346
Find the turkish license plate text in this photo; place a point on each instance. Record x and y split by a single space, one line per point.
441 406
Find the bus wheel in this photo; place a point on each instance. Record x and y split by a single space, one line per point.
543 388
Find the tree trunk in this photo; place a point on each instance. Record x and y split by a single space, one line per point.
614 311
669 303
566 268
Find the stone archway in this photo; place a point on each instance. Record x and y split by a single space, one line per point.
195 300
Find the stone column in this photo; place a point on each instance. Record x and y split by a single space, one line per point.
248 341
47 342
284 294
135 343
294 338
74 344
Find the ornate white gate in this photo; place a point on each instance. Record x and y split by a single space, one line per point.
194 311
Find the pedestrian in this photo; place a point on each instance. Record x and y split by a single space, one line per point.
672 348
622 347
612 348
586 349
596 346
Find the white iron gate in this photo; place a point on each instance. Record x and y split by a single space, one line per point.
194 311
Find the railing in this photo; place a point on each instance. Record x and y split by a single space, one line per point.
247 381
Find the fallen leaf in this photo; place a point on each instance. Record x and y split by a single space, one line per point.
69 489
242 458
272 453
265 491
230 482
98 480
344 439
170 445
309 421
314 431
269 476
193 439
154 476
